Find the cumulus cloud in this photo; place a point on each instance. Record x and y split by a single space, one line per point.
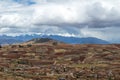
81 18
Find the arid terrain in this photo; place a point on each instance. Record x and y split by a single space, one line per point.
59 61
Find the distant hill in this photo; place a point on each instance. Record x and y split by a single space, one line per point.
75 40
71 40
43 40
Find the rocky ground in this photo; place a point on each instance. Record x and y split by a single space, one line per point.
52 61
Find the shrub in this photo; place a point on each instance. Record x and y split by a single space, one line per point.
55 43
29 45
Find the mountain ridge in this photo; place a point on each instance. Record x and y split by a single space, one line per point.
69 40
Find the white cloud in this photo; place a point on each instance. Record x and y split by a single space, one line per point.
61 17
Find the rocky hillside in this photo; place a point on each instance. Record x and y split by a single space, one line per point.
43 40
61 61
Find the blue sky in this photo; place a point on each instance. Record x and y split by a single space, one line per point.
79 18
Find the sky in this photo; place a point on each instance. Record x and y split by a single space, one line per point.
78 18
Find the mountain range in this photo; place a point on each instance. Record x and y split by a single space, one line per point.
71 40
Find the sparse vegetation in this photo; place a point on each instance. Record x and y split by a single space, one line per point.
55 43
59 62
29 45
